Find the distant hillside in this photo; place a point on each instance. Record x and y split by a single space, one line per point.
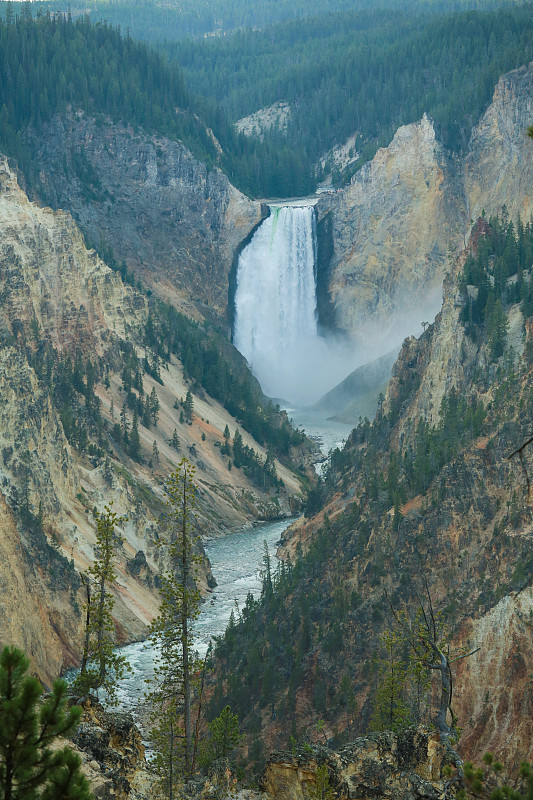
361 72
340 63
357 395
53 64
156 20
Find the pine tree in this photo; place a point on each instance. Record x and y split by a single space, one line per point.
175 441
124 424
497 325
101 665
224 735
391 711
155 453
135 442
188 406
238 450
321 790
171 633
30 767
154 406
226 449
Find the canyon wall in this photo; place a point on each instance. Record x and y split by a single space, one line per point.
404 217
61 305
391 230
174 221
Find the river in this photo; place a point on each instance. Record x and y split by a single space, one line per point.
236 562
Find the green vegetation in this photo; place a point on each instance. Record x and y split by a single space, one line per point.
322 789
31 765
359 72
494 782
391 710
157 21
102 666
52 62
209 361
171 692
403 476
262 474
223 737
340 64
71 384
495 277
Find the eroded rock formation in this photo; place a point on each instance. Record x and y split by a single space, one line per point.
175 222
386 766
61 303
404 217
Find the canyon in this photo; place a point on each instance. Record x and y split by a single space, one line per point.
60 299
391 247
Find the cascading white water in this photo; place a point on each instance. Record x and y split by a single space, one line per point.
275 300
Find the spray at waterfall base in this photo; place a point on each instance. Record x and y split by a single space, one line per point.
276 327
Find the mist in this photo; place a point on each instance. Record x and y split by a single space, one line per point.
275 314
312 366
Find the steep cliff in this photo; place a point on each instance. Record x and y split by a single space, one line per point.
391 229
402 215
427 493
498 168
70 333
174 222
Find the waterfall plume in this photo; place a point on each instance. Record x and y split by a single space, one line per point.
275 310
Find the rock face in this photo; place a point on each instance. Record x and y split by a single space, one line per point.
175 223
499 167
385 766
391 230
60 301
112 755
53 286
48 278
494 685
394 225
276 116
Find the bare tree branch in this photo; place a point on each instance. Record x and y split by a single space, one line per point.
520 452
465 655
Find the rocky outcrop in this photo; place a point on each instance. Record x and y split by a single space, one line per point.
386 766
60 302
391 229
403 212
174 222
257 124
499 165
37 587
112 755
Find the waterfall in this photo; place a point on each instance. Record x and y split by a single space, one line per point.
275 300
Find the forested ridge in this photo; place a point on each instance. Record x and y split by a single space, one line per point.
363 72
155 21
348 72
53 63
383 514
